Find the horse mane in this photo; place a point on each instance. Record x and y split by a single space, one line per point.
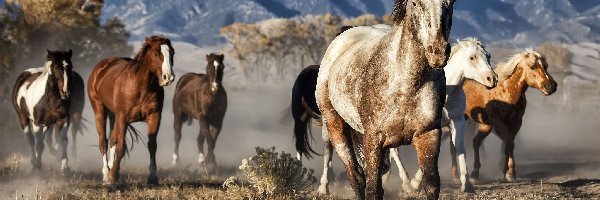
471 41
506 69
399 11
158 39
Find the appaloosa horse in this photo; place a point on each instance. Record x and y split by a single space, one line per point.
77 102
201 97
382 82
130 90
501 109
41 99
468 60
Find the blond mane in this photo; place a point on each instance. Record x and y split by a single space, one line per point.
506 69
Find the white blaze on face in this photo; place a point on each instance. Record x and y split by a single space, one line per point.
65 77
167 66
216 64
200 158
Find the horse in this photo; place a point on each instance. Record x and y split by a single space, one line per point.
201 97
77 102
502 108
384 82
41 100
468 60
138 96
304 106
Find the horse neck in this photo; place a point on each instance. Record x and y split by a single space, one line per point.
145 67
453 71
405 47
515 86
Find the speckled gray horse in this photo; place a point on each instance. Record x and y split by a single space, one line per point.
383 82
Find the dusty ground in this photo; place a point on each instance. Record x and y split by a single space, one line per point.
557 154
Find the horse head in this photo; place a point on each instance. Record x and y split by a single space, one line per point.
474 61
214 69
60 68
158 52
430 21
535 72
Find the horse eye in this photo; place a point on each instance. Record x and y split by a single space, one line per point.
472 57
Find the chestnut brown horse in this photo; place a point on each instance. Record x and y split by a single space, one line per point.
201 97
382 82
130 90
41 99
502 108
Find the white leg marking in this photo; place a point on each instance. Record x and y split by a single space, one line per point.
104 168
111 156
175 159
200 158
401 170
298 156
327 152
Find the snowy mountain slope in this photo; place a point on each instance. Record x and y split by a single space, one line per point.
509 22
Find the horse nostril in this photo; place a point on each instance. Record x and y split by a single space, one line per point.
489 79
165 77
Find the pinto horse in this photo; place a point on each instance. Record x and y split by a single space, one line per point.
77 99
383 83
502 108
130 90
468 60
201 97
41 99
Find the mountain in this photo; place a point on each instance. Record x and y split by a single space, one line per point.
508 22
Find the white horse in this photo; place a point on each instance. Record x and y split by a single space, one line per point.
468 60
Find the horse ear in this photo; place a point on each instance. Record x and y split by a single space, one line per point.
70 53
48 54
222 57
147 40
208 57
450 3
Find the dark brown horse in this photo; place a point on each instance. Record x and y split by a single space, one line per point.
77 102
41 99
130 90
201 97
502 108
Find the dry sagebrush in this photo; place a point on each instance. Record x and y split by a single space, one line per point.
269 172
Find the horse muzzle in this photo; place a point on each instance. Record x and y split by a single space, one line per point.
64 95
549 88
166 79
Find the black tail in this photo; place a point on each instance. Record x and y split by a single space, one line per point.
304 88
135 136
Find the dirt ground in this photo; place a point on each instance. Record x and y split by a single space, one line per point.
557 156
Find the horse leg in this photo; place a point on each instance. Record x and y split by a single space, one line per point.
63 126
394 153
117 147
50 141
75 126
454 170
177 123
457 128
39 132
373 164
484 131
153 121
342 142
327 151
28 130
100 114
212 142
427 146
202 134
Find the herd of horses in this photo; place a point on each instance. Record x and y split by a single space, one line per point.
377 87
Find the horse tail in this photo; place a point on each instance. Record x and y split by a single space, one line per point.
301 116
135 136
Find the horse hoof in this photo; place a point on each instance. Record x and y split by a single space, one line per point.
152 180
509 177
456 180
407 187
468 188
322 190
416 185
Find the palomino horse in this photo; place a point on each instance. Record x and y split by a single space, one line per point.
382 82
130 90
503 107
77 89
41 99
201 97
468 60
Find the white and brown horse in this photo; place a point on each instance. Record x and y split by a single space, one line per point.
201 97
502 108
41 99
130 90
383 82
468 60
